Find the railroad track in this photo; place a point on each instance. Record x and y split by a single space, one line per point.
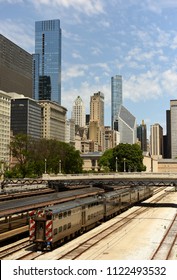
164 250
83 247
4 253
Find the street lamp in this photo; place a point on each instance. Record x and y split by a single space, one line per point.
60 166
116 164
124 165
45 166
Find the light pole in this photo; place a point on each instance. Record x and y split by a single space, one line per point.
45 166
124 165
116 164
60 166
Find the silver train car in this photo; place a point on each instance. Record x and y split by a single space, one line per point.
54 225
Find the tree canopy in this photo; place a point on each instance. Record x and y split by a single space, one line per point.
127 157
32 156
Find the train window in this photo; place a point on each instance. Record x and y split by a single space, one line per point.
69 213
49 217
60 229
55 231
65 214
60 216
69 225
64 227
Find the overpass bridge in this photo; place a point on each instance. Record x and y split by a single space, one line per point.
100 179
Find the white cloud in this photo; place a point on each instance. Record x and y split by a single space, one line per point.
74 71
19 33
76 55
169 82
150 85
159 5
96 51
145 86
88 7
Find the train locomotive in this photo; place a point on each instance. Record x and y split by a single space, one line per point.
55 224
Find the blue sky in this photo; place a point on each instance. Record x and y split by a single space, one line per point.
133 38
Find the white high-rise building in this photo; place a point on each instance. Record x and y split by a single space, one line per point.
78 112
127 126
5 108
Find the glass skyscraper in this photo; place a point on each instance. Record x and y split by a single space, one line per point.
116 99
47 61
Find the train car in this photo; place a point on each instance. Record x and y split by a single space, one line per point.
63 221
114 201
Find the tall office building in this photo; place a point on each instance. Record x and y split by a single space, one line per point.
96 125
97 108
142 136
25 116
78 112
47 61
167 137
127 126
15 68
156 140
53 120
173 110
116 99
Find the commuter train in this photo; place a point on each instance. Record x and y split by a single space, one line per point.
53 225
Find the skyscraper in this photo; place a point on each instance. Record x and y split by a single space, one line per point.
96 125
173 110
156 140
142 136
127 126
116 99
15 68
47 61
78 112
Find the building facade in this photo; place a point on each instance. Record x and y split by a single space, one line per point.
26 117
15 68
127 126
96 124
78 112
173 111
156 141
142 136
47 61
116 99
5 105
53 120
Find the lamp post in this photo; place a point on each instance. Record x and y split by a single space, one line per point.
45 166
124 165
60 166
116 164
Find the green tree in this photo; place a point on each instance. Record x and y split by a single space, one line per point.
32 154
127 156
105 160
20 149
